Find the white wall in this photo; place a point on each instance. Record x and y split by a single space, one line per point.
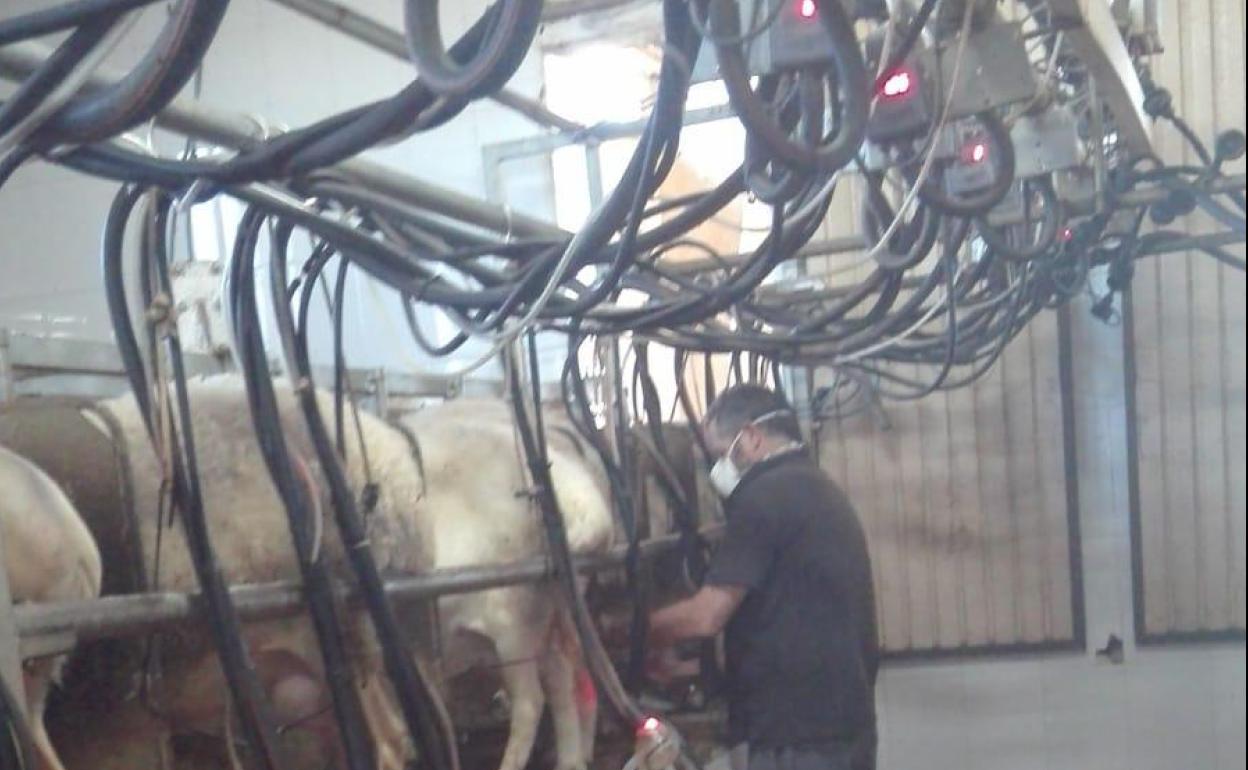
266 61
1171 708
1162 709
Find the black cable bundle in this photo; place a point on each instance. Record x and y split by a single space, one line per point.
420 704
258 727
533 445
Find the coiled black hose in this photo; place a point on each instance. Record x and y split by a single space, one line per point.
64 16
1001 155
1051 221
147 88
773 182
910 243
51 73
851 75
490 67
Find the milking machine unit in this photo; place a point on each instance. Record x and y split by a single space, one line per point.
657 747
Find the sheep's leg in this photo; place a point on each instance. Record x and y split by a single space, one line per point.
558 671
524 689
587 710
37 679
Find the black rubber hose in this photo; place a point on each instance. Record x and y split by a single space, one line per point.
737 288
417 699
695 214
851 74
913 304
625 206
113 268
147 88
773 182
639 623
680 358
910 243
1051 222
340 359
244 685
72 14
533 447
270 435
493 64
951 327
413 325
10 163
51 73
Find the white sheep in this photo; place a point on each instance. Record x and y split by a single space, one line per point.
49 556
463 502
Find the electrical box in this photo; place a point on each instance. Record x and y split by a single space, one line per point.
794 39
1045 142
995 71
903 101
969 151
1076 188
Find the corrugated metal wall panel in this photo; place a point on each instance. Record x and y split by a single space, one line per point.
963 496
1186 337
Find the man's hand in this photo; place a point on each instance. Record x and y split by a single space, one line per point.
664 666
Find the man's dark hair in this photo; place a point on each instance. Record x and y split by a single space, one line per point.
741 405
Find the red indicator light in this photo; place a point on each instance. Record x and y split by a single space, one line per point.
1068 235
807 9
975 152
650 726
897 85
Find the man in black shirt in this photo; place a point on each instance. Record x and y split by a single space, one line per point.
791 588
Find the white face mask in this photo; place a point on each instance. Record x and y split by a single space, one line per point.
725 475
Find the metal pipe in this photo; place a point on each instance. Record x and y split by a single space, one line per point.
850 244
600 132
26 355
1092 34
192 119
371 32
1194 242
53 628
573 8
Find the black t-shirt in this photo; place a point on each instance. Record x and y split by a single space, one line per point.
802 652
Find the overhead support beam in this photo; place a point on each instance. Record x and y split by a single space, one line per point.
1091 32
567 9
241 132
366 30
857 243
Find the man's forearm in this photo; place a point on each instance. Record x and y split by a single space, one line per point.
699 617
677 623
